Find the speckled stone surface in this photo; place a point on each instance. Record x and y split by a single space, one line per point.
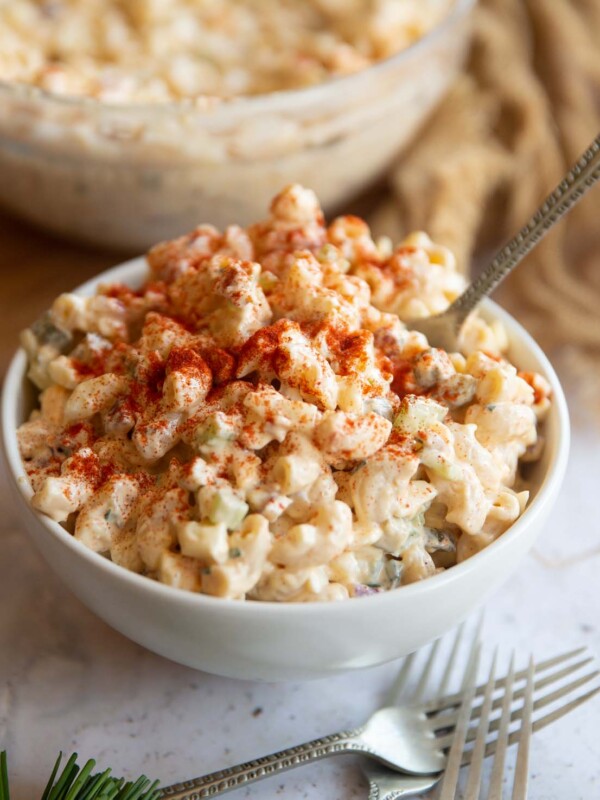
69 682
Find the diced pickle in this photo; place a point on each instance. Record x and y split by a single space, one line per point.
46 333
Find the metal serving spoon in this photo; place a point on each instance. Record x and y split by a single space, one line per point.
442 330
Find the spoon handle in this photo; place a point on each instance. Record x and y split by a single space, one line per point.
571 188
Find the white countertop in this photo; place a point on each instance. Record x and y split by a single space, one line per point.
67 681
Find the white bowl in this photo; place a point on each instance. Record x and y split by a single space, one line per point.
272 641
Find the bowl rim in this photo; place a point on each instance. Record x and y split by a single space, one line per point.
133 271
244 103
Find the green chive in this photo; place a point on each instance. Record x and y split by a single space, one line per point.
80 780
75 783
52 777
94 785
4 793
67 776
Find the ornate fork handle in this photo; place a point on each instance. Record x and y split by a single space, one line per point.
225 780
572 187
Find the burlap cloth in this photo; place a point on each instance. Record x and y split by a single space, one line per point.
527 104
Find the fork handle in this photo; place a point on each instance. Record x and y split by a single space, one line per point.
571 188
225 780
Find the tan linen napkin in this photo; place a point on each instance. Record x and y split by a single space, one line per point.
526 105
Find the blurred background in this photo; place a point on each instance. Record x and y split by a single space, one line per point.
418 141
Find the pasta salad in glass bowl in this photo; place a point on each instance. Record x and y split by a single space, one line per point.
122 123
245 417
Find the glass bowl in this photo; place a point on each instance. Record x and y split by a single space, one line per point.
126 176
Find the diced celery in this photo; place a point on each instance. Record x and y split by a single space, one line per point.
225 506
418 413
216 427
399 533
380 405
441 466
374 576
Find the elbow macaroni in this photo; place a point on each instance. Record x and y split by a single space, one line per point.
143 51
256 422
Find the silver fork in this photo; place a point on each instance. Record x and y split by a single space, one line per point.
449 783
442 330
388 785
385 783
402 736
415 737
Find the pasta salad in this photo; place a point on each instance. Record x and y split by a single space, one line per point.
257 422
157 51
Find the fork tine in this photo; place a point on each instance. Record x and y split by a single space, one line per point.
424 679
470 677
451 662
450 779
562 673
449 719
495 790
542 683
401 681
400 684
474 781
547 699
453 657
452 700
542 722
522 765
552 662
539 723
560 712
